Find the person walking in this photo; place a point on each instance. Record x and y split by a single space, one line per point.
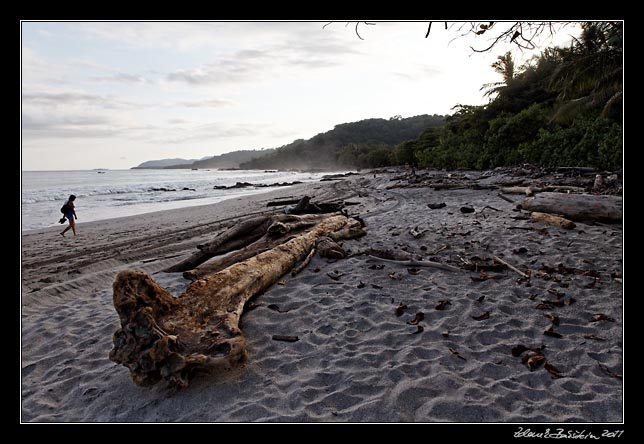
70 213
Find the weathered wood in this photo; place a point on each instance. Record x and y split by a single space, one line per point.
302 265
352 230
240 234
552 219
162 337
328 248
577 207
505 198
261 245
528 191
415 233
274 235
278 203
564 189
237 238
235 231
406 259
510 266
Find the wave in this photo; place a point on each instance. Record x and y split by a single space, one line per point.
134 191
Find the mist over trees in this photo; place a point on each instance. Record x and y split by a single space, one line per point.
367 143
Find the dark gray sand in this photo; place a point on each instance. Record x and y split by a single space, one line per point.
355 361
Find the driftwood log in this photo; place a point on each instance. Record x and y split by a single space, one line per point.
552 219
163 337
577 207
528 191
275 232
238 236
244 234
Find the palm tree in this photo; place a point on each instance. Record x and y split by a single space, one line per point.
591 73
504 65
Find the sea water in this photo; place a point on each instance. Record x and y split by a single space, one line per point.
106 194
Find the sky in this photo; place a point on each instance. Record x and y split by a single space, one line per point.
116 94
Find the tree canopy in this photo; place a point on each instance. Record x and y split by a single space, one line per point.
563 107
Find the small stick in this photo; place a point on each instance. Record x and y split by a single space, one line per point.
439 250
304 263
418 263
511 267
505 198
491 208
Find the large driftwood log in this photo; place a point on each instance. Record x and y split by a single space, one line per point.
243 234
162 337
240 235
577 207
274 235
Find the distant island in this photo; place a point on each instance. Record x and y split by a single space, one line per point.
224 161
164 163
365 143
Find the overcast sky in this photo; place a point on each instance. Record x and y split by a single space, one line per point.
113 95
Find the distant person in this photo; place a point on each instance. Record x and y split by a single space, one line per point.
70 214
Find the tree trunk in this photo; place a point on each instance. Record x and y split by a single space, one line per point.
247 231
162 337
273 236
577 207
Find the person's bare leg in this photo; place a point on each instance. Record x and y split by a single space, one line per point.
71 225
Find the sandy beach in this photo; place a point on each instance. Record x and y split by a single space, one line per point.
356 359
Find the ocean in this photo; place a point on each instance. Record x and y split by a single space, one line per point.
106 194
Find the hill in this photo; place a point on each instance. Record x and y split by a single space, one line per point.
228 160
164 163
324 151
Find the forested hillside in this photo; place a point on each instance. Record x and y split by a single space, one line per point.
332 148
227 160
562 108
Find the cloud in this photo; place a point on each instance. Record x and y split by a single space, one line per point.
120 77
77 99
36 69
67 127
212 131
254 64
237 67
403 75
184 36
62 98
211 103
177 121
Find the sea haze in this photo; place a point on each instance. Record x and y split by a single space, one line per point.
107 194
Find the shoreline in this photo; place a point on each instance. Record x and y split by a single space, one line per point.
356 360
184 227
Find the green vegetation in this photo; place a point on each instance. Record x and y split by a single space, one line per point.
563 108
367 143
